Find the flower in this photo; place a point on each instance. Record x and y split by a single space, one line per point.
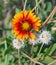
23 23
45 37
33 41
17 43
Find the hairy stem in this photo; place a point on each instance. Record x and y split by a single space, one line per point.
31 59
36 10
25 5
32 47
36 5
19 62
40 50
50 16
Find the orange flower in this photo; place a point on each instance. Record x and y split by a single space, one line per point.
22 24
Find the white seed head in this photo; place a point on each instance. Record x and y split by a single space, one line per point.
45 37
33 41
17 43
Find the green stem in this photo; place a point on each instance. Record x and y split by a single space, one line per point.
40 50
36 10
6 29
19 62
6 57
37 5
32 47
25 5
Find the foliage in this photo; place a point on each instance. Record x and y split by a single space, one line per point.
8 54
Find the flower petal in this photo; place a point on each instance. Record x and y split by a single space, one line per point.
19 36
36 28
37 23
25 13
31 35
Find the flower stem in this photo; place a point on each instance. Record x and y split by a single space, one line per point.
6 56
31 59
50 16
36 5
32 47
52 62
36 10
19 62
40 50
24 5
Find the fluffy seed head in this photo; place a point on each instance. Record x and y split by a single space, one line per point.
17 43
45 37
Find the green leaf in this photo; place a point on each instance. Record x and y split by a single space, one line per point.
40 55
17 10
25 63
6 60
43 12
46 52
45 49
23 60
9 50
52 49
48 60
1 63
49 7
35 49
28 7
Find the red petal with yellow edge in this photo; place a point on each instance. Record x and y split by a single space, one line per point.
25 13
18 15
30 15
25 36
37 23
37 19
16 33
20 36
36 28
31 35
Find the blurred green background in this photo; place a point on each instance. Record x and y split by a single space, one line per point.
8 55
